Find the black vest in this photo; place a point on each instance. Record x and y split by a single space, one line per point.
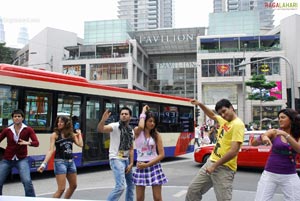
64 147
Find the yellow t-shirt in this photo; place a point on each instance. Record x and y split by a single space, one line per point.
228 132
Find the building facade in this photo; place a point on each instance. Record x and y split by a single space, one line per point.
147 14
2 32
106 31
182 62
265 13
222 76
245 22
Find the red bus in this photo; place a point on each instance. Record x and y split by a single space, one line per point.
43 95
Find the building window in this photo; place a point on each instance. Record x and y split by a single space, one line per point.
111 71
220 67
268 67
269 116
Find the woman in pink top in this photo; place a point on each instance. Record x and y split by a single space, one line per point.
150 152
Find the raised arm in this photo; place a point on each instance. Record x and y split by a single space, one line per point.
102 128
265 138
205 109
78 138
141 125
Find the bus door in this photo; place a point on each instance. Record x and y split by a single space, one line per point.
95 144
92 149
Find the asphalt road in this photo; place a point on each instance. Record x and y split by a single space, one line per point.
95 183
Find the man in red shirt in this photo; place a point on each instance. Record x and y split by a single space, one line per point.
18 136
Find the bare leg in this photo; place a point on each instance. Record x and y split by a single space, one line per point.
72 179
140 193
156 191
61 184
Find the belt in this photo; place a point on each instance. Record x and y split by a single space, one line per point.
65 160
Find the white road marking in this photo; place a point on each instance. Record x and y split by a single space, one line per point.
180 193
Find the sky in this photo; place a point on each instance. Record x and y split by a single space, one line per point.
68 15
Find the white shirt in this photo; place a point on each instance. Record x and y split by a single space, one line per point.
115 142
197 132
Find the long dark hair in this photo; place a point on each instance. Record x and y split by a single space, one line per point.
68 128
153 132
295 121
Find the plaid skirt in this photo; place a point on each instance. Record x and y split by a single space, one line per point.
149 176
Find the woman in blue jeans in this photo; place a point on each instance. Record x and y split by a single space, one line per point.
61 142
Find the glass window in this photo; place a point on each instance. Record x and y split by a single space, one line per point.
268 67
113 71
134 106
209 45
38 112
269 116
69 105
229 44
8 103
186 119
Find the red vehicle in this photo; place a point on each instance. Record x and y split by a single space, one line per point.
249 156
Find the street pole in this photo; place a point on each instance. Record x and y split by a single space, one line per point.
292 74
244 85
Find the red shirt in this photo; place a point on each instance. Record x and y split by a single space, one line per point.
13 148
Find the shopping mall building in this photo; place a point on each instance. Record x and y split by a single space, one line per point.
183 61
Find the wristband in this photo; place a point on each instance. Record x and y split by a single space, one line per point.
43 165
142 116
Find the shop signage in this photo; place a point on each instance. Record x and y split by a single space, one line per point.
166 38
222 68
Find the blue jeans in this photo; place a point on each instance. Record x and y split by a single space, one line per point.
62 166
24 171
118 167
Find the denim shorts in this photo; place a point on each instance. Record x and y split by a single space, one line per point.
63 166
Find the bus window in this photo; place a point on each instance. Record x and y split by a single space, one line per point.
69 104
186 119
154 108
8 103
38 110
168 119
111 106
134 106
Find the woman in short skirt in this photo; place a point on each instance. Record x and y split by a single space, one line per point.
150 152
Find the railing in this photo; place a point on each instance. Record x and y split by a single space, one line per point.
103 56
262 49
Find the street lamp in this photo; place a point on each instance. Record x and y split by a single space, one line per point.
291 69
243 80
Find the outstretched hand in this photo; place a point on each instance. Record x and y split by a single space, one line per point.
145 108
194 102
106 115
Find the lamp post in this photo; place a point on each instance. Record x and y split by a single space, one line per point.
292 74
243 80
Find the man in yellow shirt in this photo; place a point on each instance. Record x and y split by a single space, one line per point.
219 170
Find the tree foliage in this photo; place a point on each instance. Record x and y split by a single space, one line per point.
5 54
260 88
